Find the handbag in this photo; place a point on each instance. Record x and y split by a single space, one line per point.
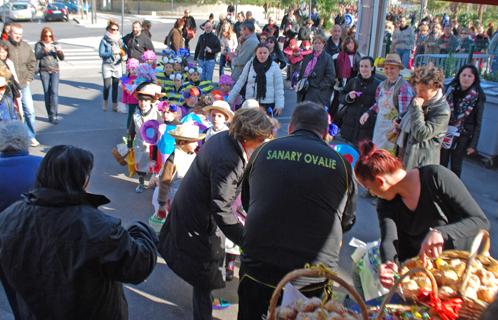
302 85
190 33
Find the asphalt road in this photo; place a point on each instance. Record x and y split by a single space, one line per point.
163 295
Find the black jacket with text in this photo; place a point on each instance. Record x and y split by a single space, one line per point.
300 197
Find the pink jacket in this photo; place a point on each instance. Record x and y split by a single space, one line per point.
127 97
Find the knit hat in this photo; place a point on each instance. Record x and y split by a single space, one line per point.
132 64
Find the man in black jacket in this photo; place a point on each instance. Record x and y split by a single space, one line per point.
137 42
334 41
300 197
207 47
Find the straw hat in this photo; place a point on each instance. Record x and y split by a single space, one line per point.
393 59
221 106
187 132
150 89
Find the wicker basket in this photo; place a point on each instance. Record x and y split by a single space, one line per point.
318 272
385 304
472 309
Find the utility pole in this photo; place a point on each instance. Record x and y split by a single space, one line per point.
122 14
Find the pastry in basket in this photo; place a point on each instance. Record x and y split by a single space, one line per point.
449 278
487 294
446 293
487 278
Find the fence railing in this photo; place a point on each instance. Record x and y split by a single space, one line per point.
451 63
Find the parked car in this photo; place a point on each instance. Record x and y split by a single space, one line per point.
16 11
62 7
54 13
71 6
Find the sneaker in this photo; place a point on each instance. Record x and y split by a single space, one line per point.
34 142
220 304
140 188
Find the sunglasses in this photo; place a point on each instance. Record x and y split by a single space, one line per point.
49 35
114 29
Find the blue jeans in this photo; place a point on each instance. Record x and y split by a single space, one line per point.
207 69
50 83
404 54
29 110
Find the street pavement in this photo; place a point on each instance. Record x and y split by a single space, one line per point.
163 295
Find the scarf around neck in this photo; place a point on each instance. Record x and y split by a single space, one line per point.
261 69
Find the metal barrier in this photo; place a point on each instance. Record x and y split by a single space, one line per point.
451 63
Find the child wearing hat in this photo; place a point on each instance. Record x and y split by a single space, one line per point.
150 57
219 114
226 84
164 76
173 92
194 80
174 169
143 146
127 97
190 99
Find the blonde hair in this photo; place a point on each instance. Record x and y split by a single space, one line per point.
5 72
251 123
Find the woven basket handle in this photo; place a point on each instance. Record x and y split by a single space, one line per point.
313 272
483 242
394 288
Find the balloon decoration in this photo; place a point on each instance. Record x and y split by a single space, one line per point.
348 152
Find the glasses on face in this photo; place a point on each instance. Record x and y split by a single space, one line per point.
114 29
48 35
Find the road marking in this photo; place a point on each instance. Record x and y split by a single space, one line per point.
151 297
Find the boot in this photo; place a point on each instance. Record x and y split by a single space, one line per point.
115 107
104 105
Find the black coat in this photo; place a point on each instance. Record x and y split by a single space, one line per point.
62 258
137 45
331 48
321 79
207 40
351 128
190 240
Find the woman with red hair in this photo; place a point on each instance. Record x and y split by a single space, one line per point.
421 211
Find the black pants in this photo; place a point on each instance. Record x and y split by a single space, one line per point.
107 86
456 154
187 40
201 304
254 297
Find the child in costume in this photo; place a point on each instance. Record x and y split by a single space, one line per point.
150 58
219 114
174 93
164 75
144 132
190 99
186 137
194 76
225 86
127 97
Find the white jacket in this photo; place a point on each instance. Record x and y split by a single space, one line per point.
274 85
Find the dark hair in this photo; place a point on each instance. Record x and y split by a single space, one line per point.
179 23
146 23
44 31
309 116
373 161
477 82
372 63
261 45
65 168
249 25
276 47
137 22
5 25
428 75
346 41
211 16
5 46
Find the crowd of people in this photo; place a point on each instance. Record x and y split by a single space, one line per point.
224 185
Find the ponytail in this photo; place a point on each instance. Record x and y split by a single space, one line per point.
374 162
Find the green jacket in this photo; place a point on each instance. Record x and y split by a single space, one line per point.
24 61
